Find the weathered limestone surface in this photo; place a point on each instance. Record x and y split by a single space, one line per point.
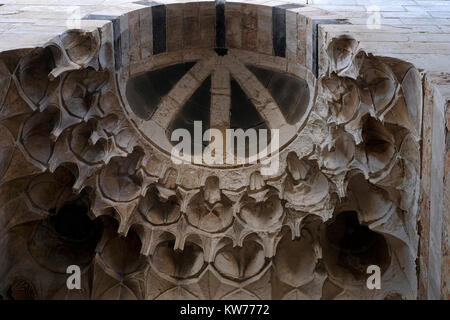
86 180
446 217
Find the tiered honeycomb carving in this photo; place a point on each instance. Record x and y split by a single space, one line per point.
79 186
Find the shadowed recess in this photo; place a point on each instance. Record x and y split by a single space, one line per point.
67 237
144 92
195 109
356 246
243 114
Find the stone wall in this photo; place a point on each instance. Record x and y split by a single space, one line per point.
200 232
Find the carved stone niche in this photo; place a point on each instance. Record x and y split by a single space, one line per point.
86 179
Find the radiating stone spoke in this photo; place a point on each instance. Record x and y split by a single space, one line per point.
220 98
182 91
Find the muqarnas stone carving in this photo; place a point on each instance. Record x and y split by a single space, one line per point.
79 184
